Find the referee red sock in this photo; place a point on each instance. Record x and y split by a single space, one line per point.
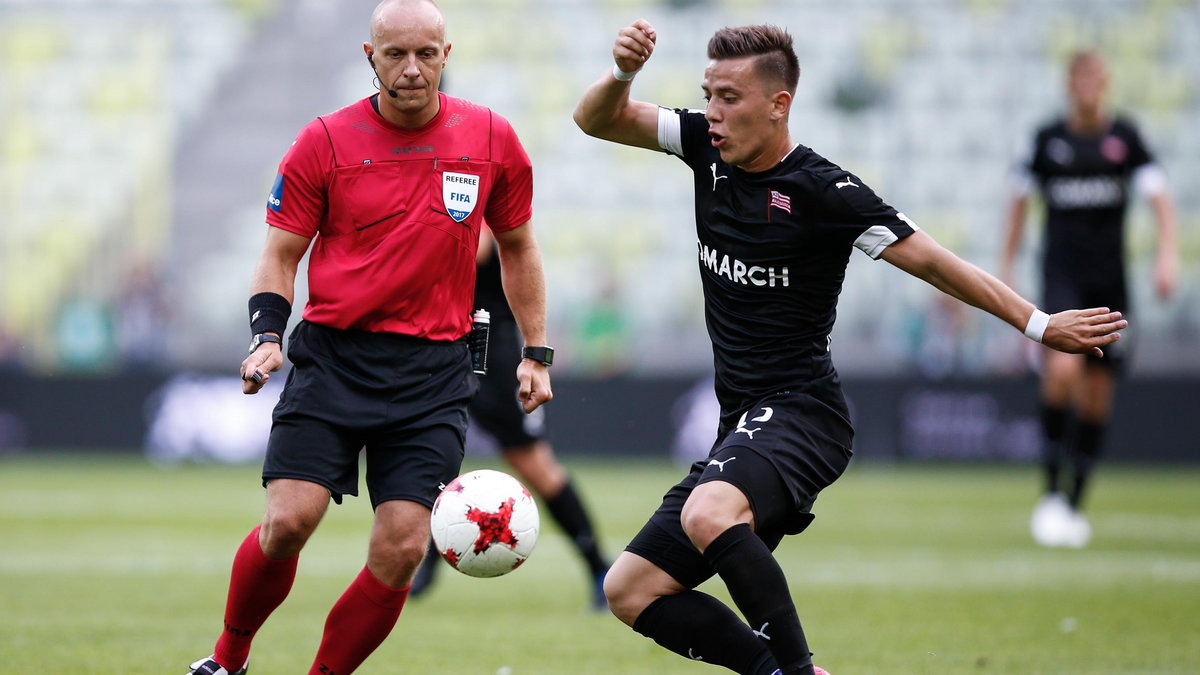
257 586
358 623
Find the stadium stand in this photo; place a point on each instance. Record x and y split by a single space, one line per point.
178 112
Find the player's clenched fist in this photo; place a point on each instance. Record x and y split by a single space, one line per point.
635 44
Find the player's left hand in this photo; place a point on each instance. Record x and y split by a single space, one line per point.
1079 331
534 379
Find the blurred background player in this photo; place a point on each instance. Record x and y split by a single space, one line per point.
380 366
1084 165
520 436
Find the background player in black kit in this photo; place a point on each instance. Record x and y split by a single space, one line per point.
776 224
1084 165
521 436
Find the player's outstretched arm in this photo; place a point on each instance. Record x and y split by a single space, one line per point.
605 110
525 287
1076 331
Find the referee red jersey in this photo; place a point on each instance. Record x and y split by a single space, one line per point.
396 213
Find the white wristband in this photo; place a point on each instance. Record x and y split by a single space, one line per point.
622 75
1037 325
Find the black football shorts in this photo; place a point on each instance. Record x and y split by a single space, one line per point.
781 454
402 399
1061 292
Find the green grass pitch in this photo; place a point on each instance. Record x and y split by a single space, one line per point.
111 565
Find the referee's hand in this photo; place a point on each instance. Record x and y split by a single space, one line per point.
535 384
257 367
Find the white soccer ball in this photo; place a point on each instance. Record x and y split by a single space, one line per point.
484 523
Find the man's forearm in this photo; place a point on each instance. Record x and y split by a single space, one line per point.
525 288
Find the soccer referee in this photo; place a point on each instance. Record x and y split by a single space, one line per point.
389 193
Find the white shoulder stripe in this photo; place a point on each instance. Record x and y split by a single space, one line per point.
878 237
1150 180
874 240
669 134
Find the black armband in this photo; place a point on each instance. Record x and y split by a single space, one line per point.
269 313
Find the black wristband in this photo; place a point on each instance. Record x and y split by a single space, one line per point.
269 313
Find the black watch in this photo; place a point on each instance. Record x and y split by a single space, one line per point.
543 354
260 338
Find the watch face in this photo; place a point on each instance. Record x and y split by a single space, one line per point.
260 338
543 355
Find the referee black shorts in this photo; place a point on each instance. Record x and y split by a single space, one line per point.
496 409
782 453
402 399
1062 290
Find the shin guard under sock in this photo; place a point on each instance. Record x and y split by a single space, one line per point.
568 511
697 626
759 589
358 623
1054 432
1088 440
257 585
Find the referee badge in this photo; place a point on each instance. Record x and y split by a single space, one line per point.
460 191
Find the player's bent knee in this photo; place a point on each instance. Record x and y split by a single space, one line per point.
712 508
284 532
623 602
703 525
632 583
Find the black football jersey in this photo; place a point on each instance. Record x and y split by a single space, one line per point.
772 248
1085 183
489 289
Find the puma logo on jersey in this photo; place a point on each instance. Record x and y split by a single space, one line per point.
721 465
845 183
715 176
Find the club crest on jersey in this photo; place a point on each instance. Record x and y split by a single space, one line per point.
460 192
781 201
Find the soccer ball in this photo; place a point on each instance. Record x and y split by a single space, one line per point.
484 523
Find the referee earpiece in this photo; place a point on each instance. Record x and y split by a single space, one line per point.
391 92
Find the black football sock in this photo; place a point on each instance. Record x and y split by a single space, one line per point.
758 587
1054 431
697 626
1087 454
567 510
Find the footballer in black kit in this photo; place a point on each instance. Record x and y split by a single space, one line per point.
1085 181
773 248
776 224
1085 164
